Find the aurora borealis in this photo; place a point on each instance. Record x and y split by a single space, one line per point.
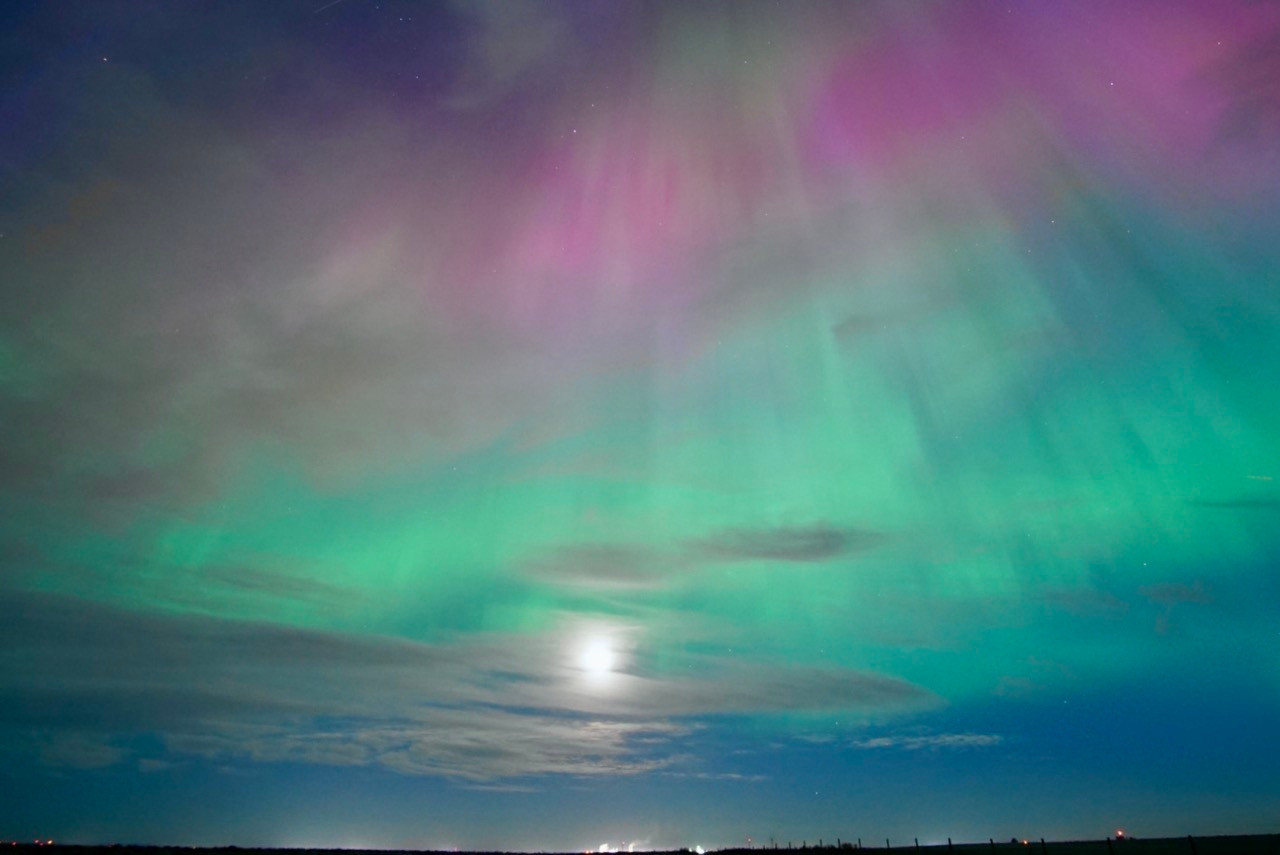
533 425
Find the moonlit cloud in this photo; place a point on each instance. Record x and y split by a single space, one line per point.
934 742
504 706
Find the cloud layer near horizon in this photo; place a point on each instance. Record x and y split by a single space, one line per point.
86 678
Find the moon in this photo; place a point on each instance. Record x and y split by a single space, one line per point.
597 657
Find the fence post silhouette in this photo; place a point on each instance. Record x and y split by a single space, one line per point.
1192 841
949 847
1043 849
917 844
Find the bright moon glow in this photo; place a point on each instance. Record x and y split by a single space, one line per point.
597 657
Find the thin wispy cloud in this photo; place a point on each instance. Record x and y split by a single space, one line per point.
1171 593
932 742
605 566
787 544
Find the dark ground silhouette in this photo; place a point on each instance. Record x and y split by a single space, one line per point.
1243 844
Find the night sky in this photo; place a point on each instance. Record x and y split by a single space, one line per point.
543 425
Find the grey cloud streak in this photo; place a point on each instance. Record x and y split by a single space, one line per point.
936 741
604 565
279 584
623 566
789 543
